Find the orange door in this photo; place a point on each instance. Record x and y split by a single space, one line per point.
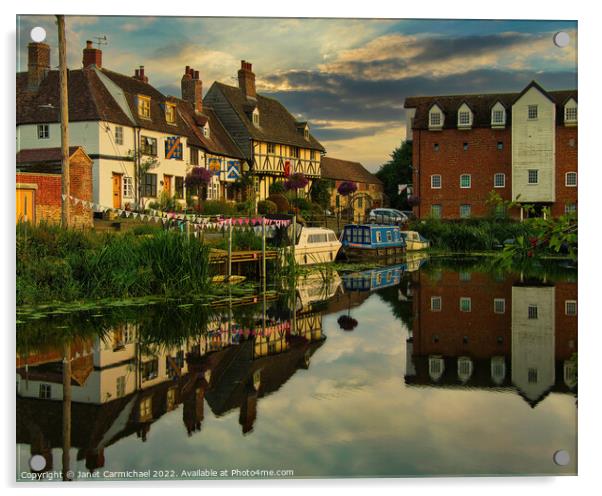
167 184
116 190
26 205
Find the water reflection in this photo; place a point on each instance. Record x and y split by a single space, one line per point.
132 371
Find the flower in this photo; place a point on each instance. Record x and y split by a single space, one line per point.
198 176
346 188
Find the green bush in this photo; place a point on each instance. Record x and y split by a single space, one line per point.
281 202
277 187
217 207
267 207
302 204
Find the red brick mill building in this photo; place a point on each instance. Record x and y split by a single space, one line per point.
521 145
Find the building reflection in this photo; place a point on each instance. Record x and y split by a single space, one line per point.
472 331
121 384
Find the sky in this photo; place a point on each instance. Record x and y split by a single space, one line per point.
347 77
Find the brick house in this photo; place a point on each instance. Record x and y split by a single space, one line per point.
508 334
521 145
142 142
39 186
369 193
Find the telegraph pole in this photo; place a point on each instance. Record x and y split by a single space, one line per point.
64 102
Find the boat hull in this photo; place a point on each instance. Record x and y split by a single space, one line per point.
355 253
416 245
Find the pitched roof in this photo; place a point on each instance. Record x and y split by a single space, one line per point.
480 104
344 170
90 100
45 160
276 123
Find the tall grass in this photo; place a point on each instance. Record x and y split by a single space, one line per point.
58 265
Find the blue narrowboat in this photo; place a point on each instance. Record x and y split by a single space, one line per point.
371 280
372 240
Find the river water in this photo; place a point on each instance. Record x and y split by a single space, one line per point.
438 368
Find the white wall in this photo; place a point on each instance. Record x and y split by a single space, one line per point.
534 147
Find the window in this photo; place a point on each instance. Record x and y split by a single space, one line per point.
435 119
465 304
435 303
570 307
312 154
150 370
532 312
295 151
500 145
465 211
194 156
532 376
499 305
464 276
499 180
436 147
170 113
306 133
149 185
464 118
378 237
497 117
44 391
128 187
256 117
144 106
179 187
570 208
389 236
570 114
436 181
533 176
570 179
465 146
436 211
148 146
271 148
120 386
465 181
206 130
532 111
43 131
118 135
436 368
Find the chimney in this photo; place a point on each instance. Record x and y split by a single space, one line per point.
246 79
192 88
139 74
38 64
92 56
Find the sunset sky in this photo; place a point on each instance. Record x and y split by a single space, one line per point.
347 77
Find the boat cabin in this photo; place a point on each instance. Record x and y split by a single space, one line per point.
371 236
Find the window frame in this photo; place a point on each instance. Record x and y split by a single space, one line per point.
570 208
439 120
144 107
566 179
146 185
532 112
119 135
178 187
469 181
43 131
532 312
465 299
144 150
439 208
503 176
503 302
433 176
436 299
566 307
127 184
570 108
529 171
463 208
170 113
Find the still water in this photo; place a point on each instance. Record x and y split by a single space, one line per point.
438 368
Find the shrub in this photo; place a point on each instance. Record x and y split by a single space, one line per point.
277 187
301 203
281 202
267 207
217 207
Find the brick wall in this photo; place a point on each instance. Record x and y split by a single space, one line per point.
48 193
482 160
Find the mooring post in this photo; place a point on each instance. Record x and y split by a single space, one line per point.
230 251
294 240
263 264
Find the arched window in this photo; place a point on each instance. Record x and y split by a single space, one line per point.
464 117
435 118
498 116
570 113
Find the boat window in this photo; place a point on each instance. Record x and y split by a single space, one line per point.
389 237
332 237
317 238
366 236
378 236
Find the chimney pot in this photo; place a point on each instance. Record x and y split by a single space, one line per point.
38 64
196 74
246 79
192 88
92 56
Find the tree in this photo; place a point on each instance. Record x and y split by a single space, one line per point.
397 171
320 192
197 178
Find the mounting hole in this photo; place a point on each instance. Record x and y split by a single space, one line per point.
38 34
562 458
37 463
562 39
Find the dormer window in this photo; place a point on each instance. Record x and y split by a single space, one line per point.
144 106
435 118
306 133
170 113
464 117
570 113
498 116
206 131
256 117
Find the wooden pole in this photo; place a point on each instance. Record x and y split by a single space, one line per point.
64 103
66 411
263 263
294 240
230 250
